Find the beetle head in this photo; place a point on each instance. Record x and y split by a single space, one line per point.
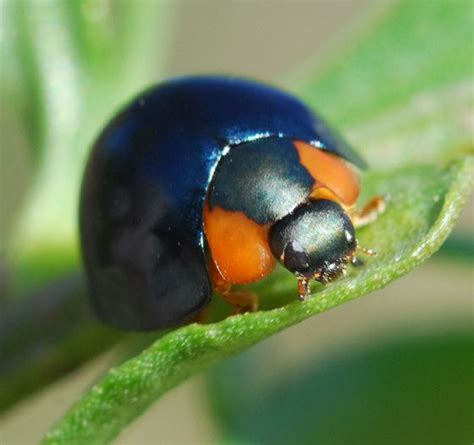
315 241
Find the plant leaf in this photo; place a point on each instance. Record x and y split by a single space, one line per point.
406 56
77 62
428 185
405 386
417 221
406 93
69 65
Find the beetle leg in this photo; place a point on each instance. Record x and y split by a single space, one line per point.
243 301
370 211
303 288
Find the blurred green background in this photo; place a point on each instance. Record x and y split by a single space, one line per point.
394 367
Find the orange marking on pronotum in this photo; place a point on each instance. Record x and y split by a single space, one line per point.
239 246
331 172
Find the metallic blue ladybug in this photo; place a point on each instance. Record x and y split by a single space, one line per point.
201 183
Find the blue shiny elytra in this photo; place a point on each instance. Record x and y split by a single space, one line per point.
141 211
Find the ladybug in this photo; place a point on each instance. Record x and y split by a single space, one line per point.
202 183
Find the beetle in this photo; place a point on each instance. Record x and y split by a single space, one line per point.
201 183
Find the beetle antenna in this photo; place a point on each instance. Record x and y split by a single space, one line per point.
368 252
356 262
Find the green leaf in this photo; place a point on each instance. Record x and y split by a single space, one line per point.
406 93
407 387
421 157
409 55
71 65
417 221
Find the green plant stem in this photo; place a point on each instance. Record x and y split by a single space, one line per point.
71 64
46 335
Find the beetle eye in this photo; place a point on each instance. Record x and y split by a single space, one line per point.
295 259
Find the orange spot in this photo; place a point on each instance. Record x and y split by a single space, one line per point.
239 246
331 172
